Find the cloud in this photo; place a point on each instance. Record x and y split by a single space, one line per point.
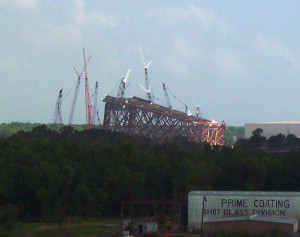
173 15
179 60
47 32
274 48
21 4
177 66
98 18
229 63
73 22
182 48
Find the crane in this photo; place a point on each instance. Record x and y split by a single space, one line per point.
95 103
88 106
187 111
146 66
167 96
197 111
122 86
148 92
77 91
57 114
98 118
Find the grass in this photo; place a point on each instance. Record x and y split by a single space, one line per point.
86 228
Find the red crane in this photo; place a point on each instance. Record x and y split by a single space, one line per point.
88 106
77 91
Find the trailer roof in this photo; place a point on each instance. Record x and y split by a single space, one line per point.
243 193
255 218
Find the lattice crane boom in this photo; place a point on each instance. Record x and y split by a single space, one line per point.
122 86
146 66
95 103
88 106
57 118
167 96
77 91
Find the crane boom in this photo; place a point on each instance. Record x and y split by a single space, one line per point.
146 66
57 114
88 107
122 86
167 96
95 103
77 91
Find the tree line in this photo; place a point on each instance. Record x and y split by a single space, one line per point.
277 142
49 174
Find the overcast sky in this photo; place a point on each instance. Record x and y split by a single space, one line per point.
238 60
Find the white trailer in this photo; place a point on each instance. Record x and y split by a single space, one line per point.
227 204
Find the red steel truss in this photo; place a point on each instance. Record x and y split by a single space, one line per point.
141 117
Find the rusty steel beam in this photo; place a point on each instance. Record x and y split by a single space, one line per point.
141 117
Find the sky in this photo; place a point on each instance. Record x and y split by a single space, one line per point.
238 60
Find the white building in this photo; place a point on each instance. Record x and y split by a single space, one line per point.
273 128
227 204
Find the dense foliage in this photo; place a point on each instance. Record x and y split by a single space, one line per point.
232 134
277 142
48 174
7 129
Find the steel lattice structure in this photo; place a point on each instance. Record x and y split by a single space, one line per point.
141 117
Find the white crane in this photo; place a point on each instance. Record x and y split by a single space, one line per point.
146 66
167 96
148 92
198 113
122 86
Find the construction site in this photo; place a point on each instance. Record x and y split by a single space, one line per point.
141 116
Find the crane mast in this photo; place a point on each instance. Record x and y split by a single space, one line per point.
167 96
98 118
197 111
88 106
148 94
76 92
95 103
57 114
122 86
147 84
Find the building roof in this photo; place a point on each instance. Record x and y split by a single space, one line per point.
254 218
243 193
284 122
